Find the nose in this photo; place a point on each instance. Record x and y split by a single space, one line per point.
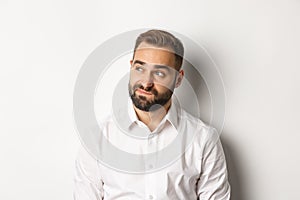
147 81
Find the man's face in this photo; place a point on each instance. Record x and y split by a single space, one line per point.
152 77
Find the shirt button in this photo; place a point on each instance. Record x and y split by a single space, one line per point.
151 135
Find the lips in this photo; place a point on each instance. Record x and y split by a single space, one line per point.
141 91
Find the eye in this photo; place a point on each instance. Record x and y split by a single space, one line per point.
159 73
139 69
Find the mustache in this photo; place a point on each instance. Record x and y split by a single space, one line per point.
147 89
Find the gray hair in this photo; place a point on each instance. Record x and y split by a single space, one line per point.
162 38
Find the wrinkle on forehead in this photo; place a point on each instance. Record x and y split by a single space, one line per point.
153 55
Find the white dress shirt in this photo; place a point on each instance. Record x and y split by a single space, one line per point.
198 173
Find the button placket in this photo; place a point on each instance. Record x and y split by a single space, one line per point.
150 186
150 166
151 147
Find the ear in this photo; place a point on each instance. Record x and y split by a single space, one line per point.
179 78
131 61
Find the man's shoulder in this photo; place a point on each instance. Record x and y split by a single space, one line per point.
202 130
187 117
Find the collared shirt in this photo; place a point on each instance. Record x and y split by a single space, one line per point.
198 173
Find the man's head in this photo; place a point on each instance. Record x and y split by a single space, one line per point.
155 69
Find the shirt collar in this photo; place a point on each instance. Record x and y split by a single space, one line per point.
172 116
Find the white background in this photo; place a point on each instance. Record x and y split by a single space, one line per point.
256 45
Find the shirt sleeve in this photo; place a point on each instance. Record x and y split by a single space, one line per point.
88 183
213 181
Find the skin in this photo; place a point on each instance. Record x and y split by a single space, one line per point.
152 75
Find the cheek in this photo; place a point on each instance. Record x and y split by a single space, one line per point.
166 84
161 89
132 79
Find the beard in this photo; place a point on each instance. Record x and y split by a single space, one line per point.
141 102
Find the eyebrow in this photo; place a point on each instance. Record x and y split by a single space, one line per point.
155 66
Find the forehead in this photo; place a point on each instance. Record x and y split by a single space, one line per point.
155 55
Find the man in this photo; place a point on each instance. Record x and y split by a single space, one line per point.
198 172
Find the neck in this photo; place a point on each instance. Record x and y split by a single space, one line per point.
153 118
